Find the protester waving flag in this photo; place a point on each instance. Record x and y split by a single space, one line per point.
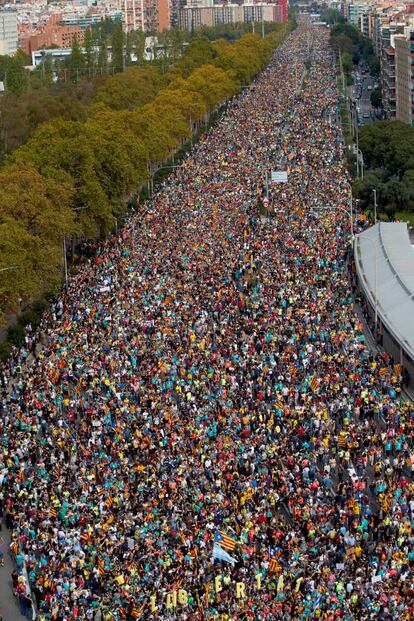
222 555
225 541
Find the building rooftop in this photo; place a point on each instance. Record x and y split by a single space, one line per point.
384 259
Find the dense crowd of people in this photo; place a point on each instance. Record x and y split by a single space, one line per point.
206 372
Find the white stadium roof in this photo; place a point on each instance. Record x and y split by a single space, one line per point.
384 259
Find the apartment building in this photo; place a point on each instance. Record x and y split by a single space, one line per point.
198 13
404 77
8 32
132 15
147 15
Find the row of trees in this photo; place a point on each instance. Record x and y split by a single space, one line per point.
71 180
354 47
67 89
388 149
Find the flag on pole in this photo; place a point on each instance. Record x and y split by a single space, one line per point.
317 601
274 565
222 555
225 541
101 567
314 384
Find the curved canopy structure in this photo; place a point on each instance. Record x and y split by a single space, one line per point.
384 259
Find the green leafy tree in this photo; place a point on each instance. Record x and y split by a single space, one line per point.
89 53
103 55
118 41
34 217
376 97
128 49
13 73
374 66
76 61
120 152
199 52
138 46
62 150
134 87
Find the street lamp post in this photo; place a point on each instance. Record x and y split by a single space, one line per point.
375 205
351 213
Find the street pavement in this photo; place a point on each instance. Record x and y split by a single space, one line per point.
9 609
362 95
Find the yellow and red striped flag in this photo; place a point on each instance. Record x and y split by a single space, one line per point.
274 565
101 568
53 513
225 541
383 372
314 384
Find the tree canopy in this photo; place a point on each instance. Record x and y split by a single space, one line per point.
76 164
388 149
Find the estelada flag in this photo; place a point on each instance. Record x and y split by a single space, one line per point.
383 372
398 369
225 541
314 384
53 513
280 405
101 567
274 565
342 439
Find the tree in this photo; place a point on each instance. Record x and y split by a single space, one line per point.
89 53
118 41
374 66
138 46
199 52
190 103
134 87
376 97
395 197
120 152
128 49
347 63
103 55
76 61
34 217
13 73
39 203
62 150
212 83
